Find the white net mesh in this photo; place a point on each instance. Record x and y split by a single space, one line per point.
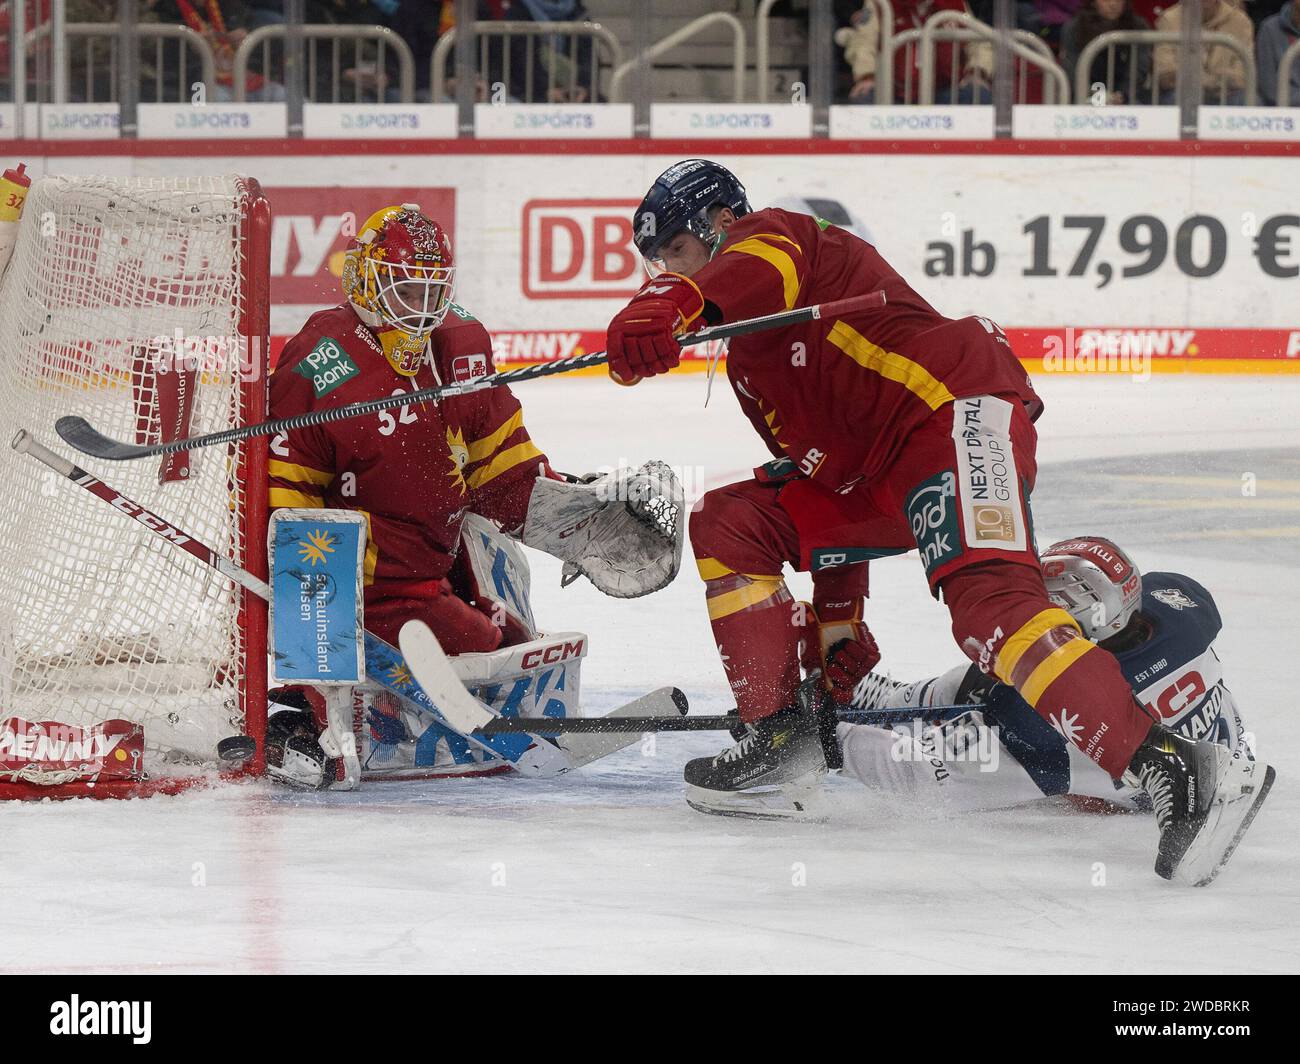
123 303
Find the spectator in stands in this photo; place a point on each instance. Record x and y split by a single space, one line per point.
1223 77
1132 64
223 24
563 65
1046 18
861 40
1276 34
1260 11
419 23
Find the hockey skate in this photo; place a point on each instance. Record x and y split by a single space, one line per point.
1204 799
775 771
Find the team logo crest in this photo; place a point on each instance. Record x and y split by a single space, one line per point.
459 455
1173 598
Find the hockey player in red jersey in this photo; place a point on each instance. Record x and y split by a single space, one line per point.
896 429
416 471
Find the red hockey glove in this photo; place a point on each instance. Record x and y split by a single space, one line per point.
641 340
848 653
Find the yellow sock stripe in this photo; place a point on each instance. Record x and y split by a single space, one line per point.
892 366
282 498
1027 635
742 598
779 259
712 569
503 463
1052 666
480 449
299 474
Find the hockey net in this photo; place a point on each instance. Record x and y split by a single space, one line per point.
140 304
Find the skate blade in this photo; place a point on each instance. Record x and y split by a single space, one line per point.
803 804
1232 816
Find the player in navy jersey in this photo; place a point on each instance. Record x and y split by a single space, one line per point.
1161 629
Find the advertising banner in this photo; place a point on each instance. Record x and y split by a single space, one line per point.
1187 255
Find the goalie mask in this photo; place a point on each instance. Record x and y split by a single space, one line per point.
398 276
1095 582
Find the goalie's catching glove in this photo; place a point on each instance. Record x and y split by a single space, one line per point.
641 341
622 530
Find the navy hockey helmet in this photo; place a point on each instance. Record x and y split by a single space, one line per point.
681 198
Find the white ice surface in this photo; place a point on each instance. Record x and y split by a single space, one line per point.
609 870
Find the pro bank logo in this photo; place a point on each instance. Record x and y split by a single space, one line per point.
579 249
112 1018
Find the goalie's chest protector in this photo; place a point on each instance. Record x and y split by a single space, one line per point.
403 467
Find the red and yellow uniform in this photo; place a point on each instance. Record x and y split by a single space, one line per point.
849 392
895 429
414 471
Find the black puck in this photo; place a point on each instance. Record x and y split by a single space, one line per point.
236 748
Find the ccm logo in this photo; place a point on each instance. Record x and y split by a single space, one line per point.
551 655
579 249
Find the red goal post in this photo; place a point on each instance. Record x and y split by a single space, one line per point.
144 302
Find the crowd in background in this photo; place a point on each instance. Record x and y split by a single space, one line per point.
561 68
1139 75
224 24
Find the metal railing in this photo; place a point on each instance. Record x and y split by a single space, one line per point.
959 27
680 36
882 12
1155 38
1289 58
763 49
93 35
484 31
312 34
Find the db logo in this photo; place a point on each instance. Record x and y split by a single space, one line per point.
551 655
579 249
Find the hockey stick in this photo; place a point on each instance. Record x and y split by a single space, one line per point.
883 718
79 433
382 659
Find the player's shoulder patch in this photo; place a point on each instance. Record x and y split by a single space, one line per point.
1179 600
1174 598
465 368
462 348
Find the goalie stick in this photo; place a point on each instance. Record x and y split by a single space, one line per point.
79 433
384 664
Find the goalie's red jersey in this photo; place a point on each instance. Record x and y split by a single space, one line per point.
839 397
414 471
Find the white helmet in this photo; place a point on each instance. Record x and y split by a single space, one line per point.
1095 582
